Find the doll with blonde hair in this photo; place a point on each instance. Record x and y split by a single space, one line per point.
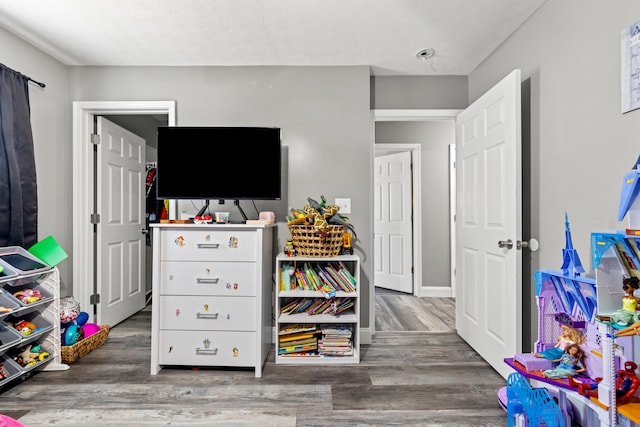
568 336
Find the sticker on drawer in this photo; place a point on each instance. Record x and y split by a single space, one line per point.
207 348
208 278
216 245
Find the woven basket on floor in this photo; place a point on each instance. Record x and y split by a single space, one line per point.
71 353
309 242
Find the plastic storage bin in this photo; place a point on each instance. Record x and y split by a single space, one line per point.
10 369
43 347
8 337
28 267
42 326
45 296
8 304
8 275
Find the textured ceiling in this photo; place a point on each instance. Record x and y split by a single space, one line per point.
384 34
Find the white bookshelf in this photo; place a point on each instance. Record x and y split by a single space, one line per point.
349 318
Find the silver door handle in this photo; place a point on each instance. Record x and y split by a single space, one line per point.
505 243
532 245
144 231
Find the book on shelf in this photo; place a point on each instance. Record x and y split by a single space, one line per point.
344 305
336 330
305 341
294 349
295 328
296 337
341 281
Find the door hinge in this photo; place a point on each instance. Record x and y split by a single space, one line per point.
95 218
95 139
94 299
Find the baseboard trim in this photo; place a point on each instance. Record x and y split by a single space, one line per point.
436 291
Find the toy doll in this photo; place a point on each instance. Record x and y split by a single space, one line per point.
567 337
569 364
627 314
627 383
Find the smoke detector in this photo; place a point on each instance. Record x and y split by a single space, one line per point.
425 54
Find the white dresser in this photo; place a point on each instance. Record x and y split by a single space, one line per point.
212 295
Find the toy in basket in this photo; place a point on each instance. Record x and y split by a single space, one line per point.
71 353
318 230
78 336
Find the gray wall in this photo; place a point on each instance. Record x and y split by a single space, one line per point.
414 92
580 143
51 127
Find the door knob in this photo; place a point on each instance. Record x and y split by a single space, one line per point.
144 231
505 243
532 244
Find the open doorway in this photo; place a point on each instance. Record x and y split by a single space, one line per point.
85 173
434 132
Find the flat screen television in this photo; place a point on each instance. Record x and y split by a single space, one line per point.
218 163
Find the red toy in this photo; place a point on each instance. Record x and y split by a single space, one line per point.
627 382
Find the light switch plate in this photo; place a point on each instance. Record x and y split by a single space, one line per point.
345 206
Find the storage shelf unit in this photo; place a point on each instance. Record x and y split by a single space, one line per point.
348 319
44 313
212 295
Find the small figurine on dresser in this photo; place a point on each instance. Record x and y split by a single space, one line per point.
627 315
568 336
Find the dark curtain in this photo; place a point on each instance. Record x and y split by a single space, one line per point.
18 189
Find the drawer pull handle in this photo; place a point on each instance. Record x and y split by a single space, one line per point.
201 280
207 315
208 245
209 351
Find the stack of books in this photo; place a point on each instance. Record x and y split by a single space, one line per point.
297 338
336 341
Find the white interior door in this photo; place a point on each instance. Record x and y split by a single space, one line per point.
489 211
120 240
393 222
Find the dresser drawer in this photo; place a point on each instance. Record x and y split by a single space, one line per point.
201 313
208 278
207 348
208 245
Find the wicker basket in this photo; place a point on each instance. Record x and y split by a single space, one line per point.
309 242
71 353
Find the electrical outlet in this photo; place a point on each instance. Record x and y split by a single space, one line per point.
345 206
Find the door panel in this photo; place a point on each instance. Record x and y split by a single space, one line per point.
489 210
393 223
120 239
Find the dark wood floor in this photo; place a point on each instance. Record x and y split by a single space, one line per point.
411 377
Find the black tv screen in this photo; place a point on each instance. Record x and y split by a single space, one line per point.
224 163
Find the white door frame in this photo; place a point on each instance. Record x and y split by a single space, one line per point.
380 115
83 171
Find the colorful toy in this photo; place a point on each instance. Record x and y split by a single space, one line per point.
25 328
31 355
69 309
90 329
627 382
83 317
72 335
28 296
